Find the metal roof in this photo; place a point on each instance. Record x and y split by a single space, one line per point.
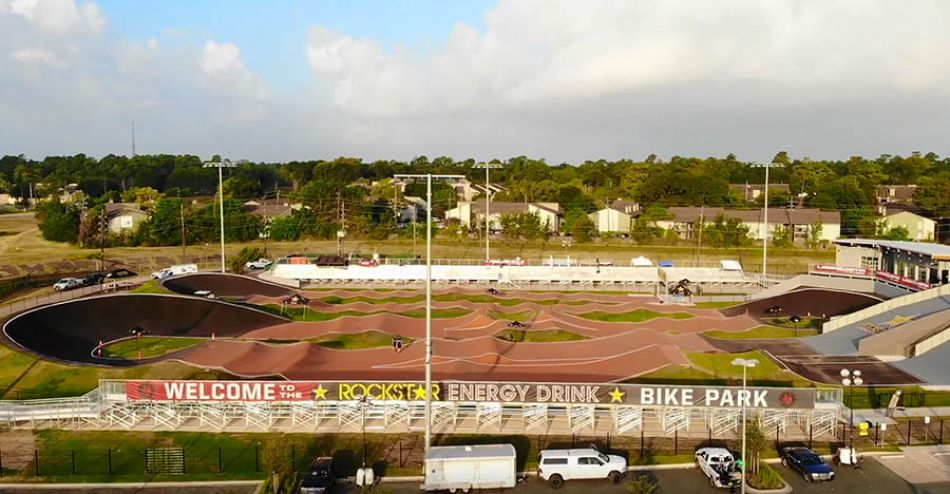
933 250
471 451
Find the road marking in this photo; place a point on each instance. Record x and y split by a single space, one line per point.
889 457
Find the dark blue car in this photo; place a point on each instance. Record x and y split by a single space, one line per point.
808 463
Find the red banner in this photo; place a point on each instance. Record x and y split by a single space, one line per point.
847 270
900 280
220 390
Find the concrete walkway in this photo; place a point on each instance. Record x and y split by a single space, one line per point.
879 415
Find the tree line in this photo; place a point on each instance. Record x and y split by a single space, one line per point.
359 196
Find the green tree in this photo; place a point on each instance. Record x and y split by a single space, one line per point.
579 225
524 225
782 236
58 222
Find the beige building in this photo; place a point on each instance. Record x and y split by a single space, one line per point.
469 213
124 216
801 220
618 217
918 227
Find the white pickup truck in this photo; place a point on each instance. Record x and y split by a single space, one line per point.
719 466
558 465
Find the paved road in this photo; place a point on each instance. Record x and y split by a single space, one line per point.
872 478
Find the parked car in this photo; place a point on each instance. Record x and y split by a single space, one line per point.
775 309
556 466
67 284
320 477
120 273
719 466
175 271
258 264
204 294
807 463
93 279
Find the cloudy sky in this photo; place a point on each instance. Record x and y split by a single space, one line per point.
563 80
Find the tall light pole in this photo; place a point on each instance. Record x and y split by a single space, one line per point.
765 220
487 167
850 379
428 356
225 163
745 364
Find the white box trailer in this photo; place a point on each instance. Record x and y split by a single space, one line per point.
462 468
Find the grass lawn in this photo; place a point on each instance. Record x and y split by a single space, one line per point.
720 366
150 286
446 297
806 322
23 377
523 316
716 305
148 346
761 332
366 339
545 336
639 315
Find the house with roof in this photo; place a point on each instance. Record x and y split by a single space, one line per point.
473 213
616 217
124 217
268 210
801 221
919 225
887 194
752 192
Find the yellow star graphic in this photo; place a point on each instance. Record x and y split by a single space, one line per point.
616 395
320 392
420 393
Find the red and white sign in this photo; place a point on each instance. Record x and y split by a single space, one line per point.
900 280
243 391
846 270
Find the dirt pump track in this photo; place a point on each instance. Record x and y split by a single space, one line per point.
465 348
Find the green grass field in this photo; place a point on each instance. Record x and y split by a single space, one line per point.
639 315
313 315
148 346
25 377
545 336
448 297
523 316
151 286
357 341
761 332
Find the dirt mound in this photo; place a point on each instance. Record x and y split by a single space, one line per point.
70 331
225 285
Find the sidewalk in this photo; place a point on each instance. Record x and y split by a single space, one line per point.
879 415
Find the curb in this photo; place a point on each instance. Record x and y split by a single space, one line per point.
784 490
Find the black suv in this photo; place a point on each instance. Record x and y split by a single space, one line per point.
93 279
119 273
807 463
320 477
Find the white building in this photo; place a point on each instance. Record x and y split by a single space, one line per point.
918 227
618 217
469 213
684 220
124 216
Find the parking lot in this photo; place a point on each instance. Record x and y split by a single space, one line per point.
873 477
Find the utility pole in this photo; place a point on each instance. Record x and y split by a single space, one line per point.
428 347
487 167
133 139
225 163
765 221
103 237
181 205
341 233
702 222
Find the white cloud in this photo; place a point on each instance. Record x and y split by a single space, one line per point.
34 55
59 16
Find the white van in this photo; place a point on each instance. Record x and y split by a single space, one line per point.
175 271
558 465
